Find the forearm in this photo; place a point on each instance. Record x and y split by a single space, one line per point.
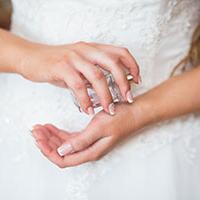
12 51
177 96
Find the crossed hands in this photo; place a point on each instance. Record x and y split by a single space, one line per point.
69 66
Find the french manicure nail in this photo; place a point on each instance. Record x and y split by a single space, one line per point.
65 149
129 96
111 109
90 111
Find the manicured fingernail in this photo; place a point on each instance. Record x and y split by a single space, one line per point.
129 96
111 109
65 149
90 111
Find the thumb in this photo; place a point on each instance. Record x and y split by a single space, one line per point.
78 143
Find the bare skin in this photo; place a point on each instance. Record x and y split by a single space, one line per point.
69 66
176 96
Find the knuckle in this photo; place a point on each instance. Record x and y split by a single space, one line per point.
77 85
72 55
98 75
114 62
79 144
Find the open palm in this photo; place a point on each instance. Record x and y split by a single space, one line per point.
48 139
67 149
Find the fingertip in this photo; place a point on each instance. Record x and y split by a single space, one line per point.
135 72
136 78
90 111
36 126
111 109
129 97
38 135
107 103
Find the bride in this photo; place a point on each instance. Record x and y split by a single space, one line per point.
146 147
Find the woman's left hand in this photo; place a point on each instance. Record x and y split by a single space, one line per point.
67 149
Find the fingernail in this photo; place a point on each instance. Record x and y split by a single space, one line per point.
65 149
111 109
129 96
90 111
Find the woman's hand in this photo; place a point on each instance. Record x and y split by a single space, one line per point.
174 97
75 64
100 136
72 66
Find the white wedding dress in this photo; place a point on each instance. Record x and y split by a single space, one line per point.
162 162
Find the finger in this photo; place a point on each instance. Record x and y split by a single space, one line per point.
39 135
126 57
39 128
53 145
42 133
119 75
53 129
44 147
122 82
93 153
79 142
79 90
98 81
49 145
52 141
112 64
50 153
56 141
62 134
76 84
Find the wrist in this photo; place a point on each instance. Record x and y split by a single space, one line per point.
14 51
22 54
142 112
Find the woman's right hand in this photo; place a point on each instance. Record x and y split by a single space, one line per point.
70 65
